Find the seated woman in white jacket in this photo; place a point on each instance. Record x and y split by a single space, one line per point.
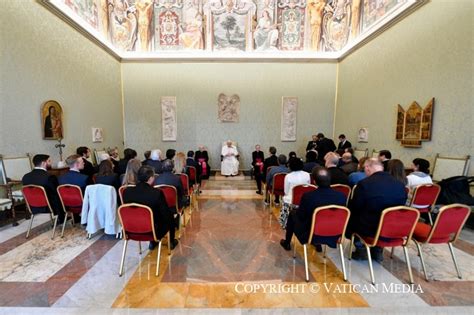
420 174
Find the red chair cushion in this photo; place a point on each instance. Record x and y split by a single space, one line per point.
422 230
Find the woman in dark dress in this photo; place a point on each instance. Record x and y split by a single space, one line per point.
106 175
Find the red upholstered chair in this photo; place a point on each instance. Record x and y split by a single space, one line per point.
71 200
186 191
35 197
138 225
121 190
193 178
171 197
298 192
446 229
346 190
327 221
278 186
395 229
424 198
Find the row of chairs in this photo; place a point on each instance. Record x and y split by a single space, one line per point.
397 227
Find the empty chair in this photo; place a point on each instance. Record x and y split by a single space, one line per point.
138 225
328 222
71 200
446 230
424 198
395 228
345 189
36 198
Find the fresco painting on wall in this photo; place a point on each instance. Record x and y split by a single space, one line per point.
233 25
169 122
289 107
228 108
52 121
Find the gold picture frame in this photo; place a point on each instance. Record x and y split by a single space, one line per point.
52 120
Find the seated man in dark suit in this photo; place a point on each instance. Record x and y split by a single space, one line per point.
299 221
272 160
311 161
88 168
168 178
337 175
190 161
343 142
39 176
373 195
144 193
73 176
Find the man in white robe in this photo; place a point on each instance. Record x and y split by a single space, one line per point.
230 164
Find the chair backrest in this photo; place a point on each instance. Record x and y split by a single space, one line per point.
329 220
171 195
121 191
425 195
449 223
185 183
353 190
192 173
36 197
278 184
397 224
359 153
71 197
298 192
14 168
375 153
445 167
137 222
346 190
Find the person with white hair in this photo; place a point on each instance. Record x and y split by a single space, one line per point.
154 161
230 164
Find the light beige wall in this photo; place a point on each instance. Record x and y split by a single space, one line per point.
197 85
428 54
43 58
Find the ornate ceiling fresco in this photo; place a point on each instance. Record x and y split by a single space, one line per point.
230 29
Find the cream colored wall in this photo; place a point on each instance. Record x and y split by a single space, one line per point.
428 54
197 85
43 58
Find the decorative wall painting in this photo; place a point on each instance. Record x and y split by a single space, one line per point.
374 10
289 108
97 135
51 120
169 121
228 108
167 24
291 17
415 124
363 134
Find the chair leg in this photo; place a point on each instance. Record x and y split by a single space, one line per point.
420 253
64 225
158 255
407 258
372 277
430 218
169 243
54 226
305 248
29 227
184 218
139 247
294 246
122 262
341 252
451 249
391 252
324 250
350 248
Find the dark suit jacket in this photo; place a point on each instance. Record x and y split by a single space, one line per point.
272 160
311 145
346 144
309 201
111 180
146 195
155 164
373 195
257 155
167 178
338 176
49 183
193 163
122 167
88 169
308 166
325 145
75 178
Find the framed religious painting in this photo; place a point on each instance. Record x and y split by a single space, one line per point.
52 120
97 134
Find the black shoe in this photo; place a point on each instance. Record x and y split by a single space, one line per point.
285 245
359 254
174 243
259 192
319 248
152 245
377 254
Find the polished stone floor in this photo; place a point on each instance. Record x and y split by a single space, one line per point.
228 259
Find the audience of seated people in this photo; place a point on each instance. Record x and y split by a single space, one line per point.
281 168
144 193
299 220
128 154
146 155
337 175
168 178
73 177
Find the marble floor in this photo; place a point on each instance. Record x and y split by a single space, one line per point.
228 260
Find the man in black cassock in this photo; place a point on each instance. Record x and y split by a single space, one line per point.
257 163
202 158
